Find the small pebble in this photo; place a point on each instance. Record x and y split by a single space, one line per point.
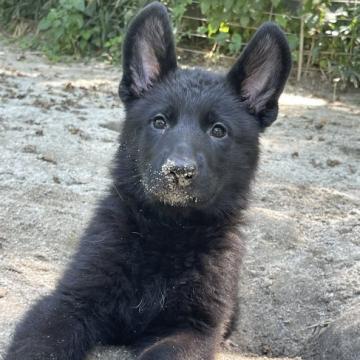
48 158
332 162
3 292
69 87
30 149
21 96
352 169
316 163
73 130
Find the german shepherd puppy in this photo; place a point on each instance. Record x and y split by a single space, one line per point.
158 264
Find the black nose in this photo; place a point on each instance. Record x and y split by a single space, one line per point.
182 171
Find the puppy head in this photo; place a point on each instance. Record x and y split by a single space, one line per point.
191 136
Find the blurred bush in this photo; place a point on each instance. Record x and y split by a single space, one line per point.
71 27
96 27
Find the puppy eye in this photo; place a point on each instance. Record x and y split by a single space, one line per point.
218 131
159 122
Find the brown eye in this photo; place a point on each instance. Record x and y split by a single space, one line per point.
159 122
218 131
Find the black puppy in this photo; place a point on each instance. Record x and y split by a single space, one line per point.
158 264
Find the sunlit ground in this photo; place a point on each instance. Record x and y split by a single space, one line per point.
290 99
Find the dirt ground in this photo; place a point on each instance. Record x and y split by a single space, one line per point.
58 130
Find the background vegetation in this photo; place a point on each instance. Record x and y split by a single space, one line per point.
216 29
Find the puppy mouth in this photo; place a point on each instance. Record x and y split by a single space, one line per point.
177 198
170 193
169 190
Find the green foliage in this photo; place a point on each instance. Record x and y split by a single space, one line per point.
65 30
12 11
96 27
332 30
74 27
84 27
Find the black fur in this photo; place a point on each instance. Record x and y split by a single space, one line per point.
158 264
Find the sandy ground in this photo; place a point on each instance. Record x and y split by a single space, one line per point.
58 130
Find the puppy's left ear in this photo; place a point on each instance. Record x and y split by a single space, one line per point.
148 51
260 74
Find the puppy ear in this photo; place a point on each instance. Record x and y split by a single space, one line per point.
260 74
148 52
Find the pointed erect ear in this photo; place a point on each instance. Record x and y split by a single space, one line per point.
260 74
148 52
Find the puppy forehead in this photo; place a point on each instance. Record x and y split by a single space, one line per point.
194 88
193 93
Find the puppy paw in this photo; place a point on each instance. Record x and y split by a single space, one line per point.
168 351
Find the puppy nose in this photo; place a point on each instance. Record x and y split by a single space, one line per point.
183 171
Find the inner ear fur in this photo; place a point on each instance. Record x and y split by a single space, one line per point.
148 51
260 73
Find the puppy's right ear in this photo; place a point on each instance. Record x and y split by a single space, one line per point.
260 74
148 52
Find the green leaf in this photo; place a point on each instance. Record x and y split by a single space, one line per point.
179 10
235 44
86 34
221 38
281 20
323 63
44 24
275 3
244 20
91 9
293 41
83 44
58 24
212 29
228 4
79 5
224 28
295 56
204 6
202 30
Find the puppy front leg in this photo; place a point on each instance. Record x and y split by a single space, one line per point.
52 330
188 344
